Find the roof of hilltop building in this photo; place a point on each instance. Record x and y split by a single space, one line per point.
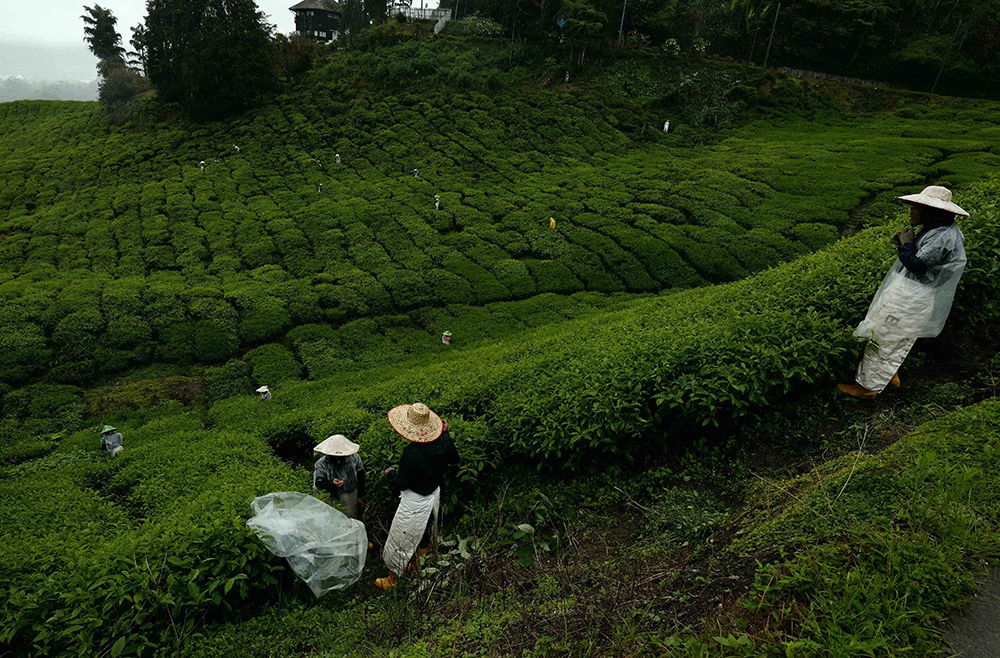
328 5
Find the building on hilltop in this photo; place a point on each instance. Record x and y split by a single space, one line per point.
319 19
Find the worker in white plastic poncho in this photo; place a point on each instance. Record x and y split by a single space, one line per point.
430 456
915 297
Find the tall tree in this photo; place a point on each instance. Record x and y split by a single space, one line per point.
100 34
137 56
213 57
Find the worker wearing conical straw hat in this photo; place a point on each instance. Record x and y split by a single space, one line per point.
915 297
426 461
111 440
265 393
341 473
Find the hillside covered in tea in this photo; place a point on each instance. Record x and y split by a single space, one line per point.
118 250
607 379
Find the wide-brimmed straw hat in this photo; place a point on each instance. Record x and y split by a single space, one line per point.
416 423
934 196
337 445
108 428
262 389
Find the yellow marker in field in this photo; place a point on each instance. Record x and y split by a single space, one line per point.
552 222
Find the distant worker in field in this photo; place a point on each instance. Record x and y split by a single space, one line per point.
552 222
446 338
416 174
567 76
236 148
318 163
336 158
111 440
666 126
426 461
341 473
265 393
319 188
201 165
915 297
437 202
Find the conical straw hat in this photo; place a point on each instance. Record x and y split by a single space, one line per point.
337 445
108 428
416 423
934 196
262 389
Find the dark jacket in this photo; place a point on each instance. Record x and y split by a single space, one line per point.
425 466
907 251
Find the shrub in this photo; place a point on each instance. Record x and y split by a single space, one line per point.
271 364
212 344
232 378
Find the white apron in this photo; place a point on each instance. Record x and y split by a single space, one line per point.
408 528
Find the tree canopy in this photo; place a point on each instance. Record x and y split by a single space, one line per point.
212 57
100 34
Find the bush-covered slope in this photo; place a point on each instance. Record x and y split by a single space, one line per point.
146 546
116 250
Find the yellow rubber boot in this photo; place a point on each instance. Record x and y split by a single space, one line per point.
856 391
389 582
895 381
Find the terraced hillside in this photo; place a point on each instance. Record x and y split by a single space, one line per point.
117 250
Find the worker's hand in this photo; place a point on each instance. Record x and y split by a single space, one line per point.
906 236
387 471
895 238
338 483
444 424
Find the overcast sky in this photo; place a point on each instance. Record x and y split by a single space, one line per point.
50 34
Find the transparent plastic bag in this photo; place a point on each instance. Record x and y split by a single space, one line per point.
323 547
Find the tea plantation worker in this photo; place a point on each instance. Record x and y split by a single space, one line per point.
416 174
446 338
319 188
201 165
265 393
666 126
337 158
437 202
318 163
915 297
426 461
552 222
236 148
341 473
111 440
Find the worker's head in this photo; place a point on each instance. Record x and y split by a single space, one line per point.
932 207
929 216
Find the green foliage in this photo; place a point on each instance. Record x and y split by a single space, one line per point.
213 58
271 364
100 34
229 379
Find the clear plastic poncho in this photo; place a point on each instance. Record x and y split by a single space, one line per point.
323 547
911 306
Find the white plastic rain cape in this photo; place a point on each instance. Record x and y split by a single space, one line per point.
324 548
408 527
916 306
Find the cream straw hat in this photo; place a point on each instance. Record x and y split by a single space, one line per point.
262 389
416 423
934 196
337 445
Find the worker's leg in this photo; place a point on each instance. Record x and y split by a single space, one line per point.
880 362
349 504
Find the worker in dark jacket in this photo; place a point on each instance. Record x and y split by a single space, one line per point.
341 473
427 461
111 440
915 297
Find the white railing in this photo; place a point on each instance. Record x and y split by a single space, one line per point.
417 13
